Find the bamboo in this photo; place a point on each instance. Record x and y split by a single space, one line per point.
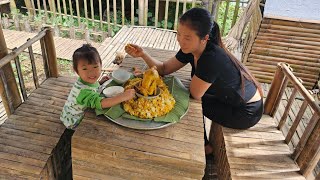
132 11
156 14
225 17
70 8
166 15
140 12
274 90
287 109
45 9
86 11
20 77
279 96
287 40
235 13
8 87
29 7
305 136
290 45
92 12
59 8
290 28
290 61
65 7
123 11
53 6
290 23
34 68
100 14
184 6
193 3
51 53
292 33
296 122
115 12
78 12
108 17
39 7
288 36
282 54
13 5
284 51
33 8
176 15
145 22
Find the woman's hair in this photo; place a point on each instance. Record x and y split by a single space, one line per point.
199 20
85 52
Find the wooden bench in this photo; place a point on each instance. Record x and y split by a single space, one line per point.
262 152
34 144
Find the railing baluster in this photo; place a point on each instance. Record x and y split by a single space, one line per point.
45 9
280 94
123 12
64 8
114 13
108 18
59 9
78 12
184 6
34 68
70 8
166 15
287 108
193 3
86 11
176 15
132 11
92 12
156 16
306 134
100 14
145 12
33 7
296 122
20 77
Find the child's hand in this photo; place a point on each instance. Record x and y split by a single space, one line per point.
104 79
134 50
129 94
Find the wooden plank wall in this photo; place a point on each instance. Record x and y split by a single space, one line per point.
295 43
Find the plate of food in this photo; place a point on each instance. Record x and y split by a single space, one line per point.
160 102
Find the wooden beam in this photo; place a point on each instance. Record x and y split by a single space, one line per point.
51 53
8 86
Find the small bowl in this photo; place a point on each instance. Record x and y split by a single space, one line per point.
120 76
113 91
149 97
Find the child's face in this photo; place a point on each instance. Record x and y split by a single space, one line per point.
89 72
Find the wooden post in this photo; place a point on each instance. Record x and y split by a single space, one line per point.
10 97
51 53
274 90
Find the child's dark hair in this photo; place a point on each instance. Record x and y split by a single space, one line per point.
86 52
199 20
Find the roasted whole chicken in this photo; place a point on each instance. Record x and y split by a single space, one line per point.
149 82
147 86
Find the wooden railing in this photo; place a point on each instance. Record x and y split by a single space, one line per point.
8 86
307 151
112 14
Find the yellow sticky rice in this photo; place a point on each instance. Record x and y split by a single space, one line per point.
149 108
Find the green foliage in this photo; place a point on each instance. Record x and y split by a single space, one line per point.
221 13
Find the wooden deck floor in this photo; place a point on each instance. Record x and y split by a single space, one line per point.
64 46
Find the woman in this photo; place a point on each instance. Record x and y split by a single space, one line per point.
230 95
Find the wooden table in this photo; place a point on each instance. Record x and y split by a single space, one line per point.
102 149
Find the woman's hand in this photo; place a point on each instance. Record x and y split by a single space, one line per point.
134 50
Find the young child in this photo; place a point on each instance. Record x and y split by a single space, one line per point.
87 64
